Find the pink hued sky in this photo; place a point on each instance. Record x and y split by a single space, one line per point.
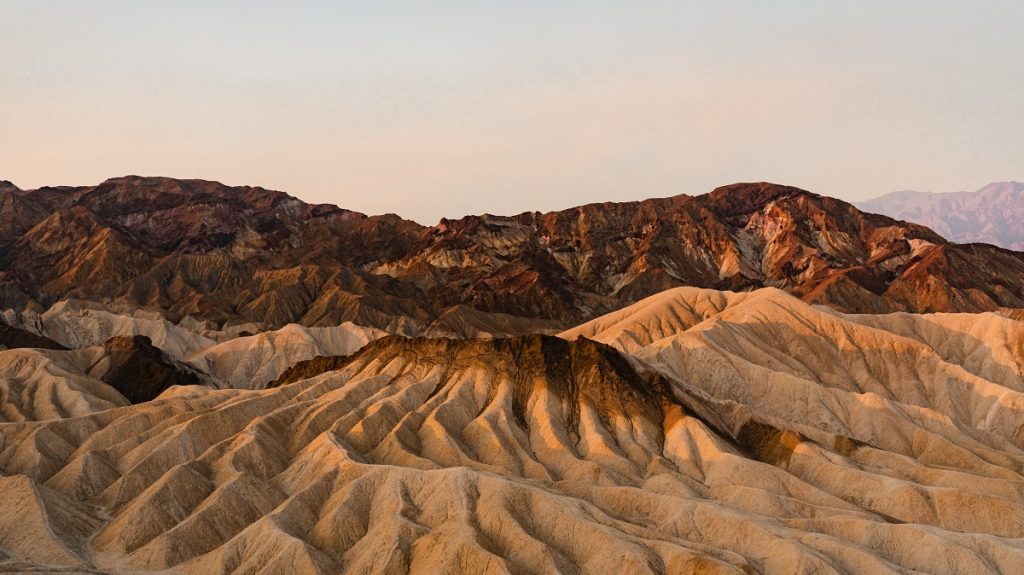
449 108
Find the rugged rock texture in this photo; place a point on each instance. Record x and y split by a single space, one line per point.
464 322
992 215
45 383
233 358
241 256
744 433
79 324
941 389
40 384
209 250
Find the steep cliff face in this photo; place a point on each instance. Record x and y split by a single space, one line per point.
239 255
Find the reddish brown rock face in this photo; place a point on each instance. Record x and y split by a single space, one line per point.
240 254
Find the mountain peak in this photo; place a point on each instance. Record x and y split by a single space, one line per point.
760 190
993 214
572 372
743 198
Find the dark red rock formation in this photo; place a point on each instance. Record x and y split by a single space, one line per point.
240 254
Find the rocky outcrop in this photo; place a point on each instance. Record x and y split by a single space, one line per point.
696 430
139 370
311 368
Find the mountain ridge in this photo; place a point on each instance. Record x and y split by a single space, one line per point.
234 255
989 215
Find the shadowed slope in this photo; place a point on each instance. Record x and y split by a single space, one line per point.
140 371
14 338
40 384
966 367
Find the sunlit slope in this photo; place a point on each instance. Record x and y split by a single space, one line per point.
46 384
931 401
525 455
39 384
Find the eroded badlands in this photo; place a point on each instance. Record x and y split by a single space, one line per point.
696 431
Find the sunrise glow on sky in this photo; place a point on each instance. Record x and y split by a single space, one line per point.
450 108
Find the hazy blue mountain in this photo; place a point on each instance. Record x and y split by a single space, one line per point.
993 215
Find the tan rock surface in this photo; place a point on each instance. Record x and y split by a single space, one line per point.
253 361
37 384
782 438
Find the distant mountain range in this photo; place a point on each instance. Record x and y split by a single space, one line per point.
992 215
242 255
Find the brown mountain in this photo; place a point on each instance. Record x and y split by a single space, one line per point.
241 254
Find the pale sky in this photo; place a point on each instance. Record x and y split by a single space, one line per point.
431 109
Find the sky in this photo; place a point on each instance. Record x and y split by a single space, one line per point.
431 109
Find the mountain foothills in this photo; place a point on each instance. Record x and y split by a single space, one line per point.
992 215
228 256
696 431
196 378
